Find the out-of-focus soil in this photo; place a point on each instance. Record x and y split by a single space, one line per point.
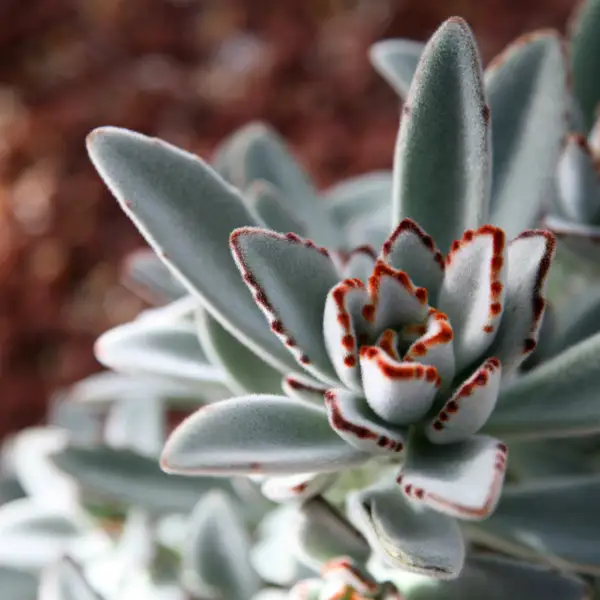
190 72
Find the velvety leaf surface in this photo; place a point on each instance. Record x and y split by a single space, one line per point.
469 407
126 478
290 278
556 399
473 291
244 371
257 434
585 58
396 61
527 91
185 211
553 521
463 479
528 260
408 536
442 159
216 552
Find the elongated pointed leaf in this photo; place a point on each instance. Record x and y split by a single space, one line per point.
585 58
290 278
257 434
473 291
496 578
396 61
557 399
126 478
169 350
243 370
216 552
552 521
257 152
186 212
441 166
408 536
528 96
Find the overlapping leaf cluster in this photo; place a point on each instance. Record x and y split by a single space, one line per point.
370 392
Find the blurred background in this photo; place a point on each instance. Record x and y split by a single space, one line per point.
189 71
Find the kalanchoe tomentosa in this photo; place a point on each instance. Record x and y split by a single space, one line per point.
391 357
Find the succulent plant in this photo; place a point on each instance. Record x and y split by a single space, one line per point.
337 383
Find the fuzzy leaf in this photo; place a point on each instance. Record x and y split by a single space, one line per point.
257 434
472 294
413 251
143 347
146 275
400 393
469 407
441 164
359 264
528 260
557 399
216 552
257 152
527 91
552 520
185 211
585 58
358 197
350 416
463 479
578 182
290 278
396 61
407 535
244 371
496 578
126 478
